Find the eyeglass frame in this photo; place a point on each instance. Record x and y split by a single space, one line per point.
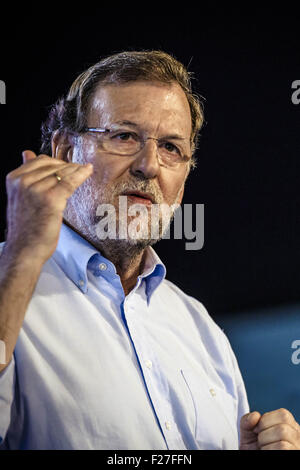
186 158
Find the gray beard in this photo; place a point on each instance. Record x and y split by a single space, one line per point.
80 214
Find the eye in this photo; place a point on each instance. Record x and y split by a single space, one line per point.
124 136
171 148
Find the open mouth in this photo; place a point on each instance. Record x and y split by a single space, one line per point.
138 197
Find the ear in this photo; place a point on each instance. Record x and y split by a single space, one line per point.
62 146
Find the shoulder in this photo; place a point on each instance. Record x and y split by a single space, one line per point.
212 336
216 350
194 306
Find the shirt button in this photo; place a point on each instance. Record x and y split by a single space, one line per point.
168 425
148 364
81 283
102 266
213 392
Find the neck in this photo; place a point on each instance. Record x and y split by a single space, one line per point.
128 259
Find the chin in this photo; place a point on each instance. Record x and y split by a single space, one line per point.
141 242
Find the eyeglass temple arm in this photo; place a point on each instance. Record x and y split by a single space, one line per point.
96 129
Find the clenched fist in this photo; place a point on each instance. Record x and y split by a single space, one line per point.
36 202
275 430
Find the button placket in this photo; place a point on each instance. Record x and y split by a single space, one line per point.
155 382
168 425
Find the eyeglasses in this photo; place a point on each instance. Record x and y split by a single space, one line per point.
128 143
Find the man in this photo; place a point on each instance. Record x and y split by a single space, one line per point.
111 355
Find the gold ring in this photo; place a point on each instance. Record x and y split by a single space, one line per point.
57 177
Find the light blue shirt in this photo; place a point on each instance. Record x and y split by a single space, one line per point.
95 369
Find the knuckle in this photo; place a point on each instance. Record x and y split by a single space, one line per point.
22 181
43 156
282 431
10 177
262 422
285 414
34 190
283 445
15 181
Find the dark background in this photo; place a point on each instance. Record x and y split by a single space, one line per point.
248 161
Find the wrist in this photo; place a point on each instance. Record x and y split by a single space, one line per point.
22 257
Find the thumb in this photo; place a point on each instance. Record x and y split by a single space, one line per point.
28 155
248 438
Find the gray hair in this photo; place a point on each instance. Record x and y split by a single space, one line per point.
69 113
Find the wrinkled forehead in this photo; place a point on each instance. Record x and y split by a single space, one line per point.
155 107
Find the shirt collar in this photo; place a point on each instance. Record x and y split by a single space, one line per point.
72 255
153 273
75 256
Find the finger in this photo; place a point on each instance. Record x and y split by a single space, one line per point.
67 186
33 164
248 437
28 155
249 421
276 417
280 432
37 162
42 172
280 445
72 177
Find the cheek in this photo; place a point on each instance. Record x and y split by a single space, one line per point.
83 151
108 170
171 188
102 174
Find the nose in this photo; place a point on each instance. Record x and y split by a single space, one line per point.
146 162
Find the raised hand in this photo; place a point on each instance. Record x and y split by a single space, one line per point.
37 194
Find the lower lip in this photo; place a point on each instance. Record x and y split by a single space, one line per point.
139 200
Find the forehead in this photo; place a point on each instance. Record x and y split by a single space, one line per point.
154 106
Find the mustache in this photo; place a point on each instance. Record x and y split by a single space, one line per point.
142 186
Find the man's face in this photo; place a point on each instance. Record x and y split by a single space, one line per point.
154 110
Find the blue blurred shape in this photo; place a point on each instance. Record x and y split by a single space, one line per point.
262 341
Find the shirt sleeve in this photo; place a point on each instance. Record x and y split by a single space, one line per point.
7 386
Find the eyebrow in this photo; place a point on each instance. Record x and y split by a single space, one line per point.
135 125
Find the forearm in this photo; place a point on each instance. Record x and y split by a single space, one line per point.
19 273
36 202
